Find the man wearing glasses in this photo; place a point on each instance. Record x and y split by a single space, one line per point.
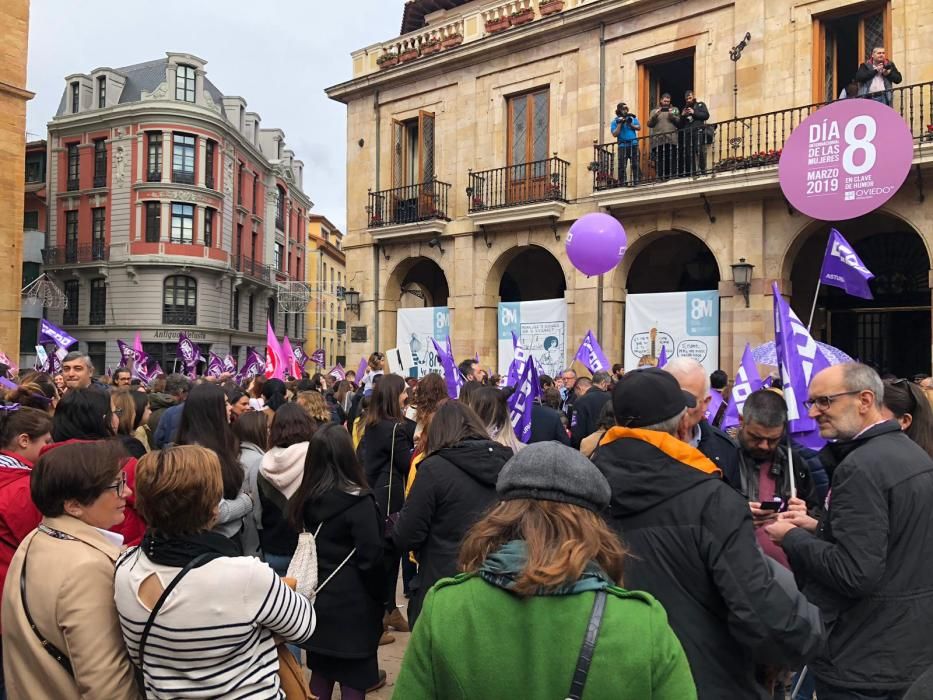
868 563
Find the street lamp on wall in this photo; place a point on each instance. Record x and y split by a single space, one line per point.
352 299
742 276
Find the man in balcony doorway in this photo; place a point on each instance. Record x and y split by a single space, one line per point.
663 122
876 76
692 135
625 128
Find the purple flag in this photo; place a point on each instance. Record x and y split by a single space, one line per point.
338 372
49 333
189 353
253 365
476 357
4 382
715 402
319 357
450 369
521 401
128 355
215 366
520 359
662 358
799 359
361 370
301 358
457 375
747 380
591 355
55 364
229 364
844 269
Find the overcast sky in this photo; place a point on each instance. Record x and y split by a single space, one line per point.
277 54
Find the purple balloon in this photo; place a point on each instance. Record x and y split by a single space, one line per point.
596 243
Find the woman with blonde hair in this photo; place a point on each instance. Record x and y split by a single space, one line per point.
315 405
540 608
131 411
491 405
214 635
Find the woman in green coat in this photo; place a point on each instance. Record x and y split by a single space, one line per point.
541 592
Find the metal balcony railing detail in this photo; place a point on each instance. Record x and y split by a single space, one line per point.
70 254
514 185
745 143
251 268
184 177
409 204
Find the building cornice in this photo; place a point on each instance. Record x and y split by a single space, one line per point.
14 91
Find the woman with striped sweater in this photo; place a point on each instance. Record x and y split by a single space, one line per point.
213 635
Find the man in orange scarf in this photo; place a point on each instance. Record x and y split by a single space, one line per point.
693 545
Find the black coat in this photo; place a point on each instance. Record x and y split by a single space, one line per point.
376 450
587 410
349 608
694 549
870 565
721 450
453 488
546 425
750 472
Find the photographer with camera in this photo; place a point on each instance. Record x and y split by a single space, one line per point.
663 122
692 136
625 128
876 76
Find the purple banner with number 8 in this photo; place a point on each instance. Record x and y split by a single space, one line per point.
846 159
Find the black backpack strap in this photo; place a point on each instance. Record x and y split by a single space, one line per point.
197 561
52 650
589 646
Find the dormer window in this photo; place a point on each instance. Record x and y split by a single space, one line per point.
184 83
75 97
102 92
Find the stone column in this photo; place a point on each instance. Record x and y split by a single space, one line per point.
201 157
166 156
166 222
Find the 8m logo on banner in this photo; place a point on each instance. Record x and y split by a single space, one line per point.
832 167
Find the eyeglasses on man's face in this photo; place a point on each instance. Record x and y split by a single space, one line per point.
822 403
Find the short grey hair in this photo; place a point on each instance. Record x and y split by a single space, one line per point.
78 355
601 378
859 377
684 366
176 384
669 425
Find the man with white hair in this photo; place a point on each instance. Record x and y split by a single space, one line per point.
867 562
709 440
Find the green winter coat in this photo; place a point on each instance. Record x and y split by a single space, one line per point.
476 640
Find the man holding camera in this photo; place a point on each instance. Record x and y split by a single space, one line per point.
663 122
876 76
625 128
692 134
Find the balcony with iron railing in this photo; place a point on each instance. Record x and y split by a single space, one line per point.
466 27
409 204
253 269
184 177
518 185
715 154
73 254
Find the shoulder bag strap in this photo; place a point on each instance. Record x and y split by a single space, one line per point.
589 645
52 650
197 561
391 469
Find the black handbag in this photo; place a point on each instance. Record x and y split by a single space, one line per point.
589 646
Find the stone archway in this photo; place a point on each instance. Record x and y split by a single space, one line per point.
891 332
668 261
526 273
417 282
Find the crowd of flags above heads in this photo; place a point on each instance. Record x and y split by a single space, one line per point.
798 356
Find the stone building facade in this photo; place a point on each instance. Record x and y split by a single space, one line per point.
327 278
170 209
477 137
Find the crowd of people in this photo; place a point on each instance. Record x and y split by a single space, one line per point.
200 537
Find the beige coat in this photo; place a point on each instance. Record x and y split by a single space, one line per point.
69 589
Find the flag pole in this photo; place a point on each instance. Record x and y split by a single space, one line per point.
816 294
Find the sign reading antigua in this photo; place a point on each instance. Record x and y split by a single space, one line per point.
846 159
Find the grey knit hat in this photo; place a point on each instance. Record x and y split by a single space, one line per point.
550 471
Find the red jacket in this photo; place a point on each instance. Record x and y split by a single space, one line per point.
133 527
18 515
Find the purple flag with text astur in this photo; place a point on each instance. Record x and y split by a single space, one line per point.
844 269
591 355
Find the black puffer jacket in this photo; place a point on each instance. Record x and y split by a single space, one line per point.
586 414
453 488
693 548
376 451
349 608
870 566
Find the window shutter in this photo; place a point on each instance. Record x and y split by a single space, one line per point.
426 147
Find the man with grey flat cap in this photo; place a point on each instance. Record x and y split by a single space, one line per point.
694 547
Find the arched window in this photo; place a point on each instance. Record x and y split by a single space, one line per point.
180 300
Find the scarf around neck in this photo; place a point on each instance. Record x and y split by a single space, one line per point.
178 550
503 567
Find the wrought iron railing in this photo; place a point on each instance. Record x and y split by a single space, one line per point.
73 184
154 176
749 142
181 315
251 268
524 183
72 254
409 204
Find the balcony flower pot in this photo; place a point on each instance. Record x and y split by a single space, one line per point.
477 203
523 17
375 220
429 47
387 60
451 41
408 55
498 25
551 7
